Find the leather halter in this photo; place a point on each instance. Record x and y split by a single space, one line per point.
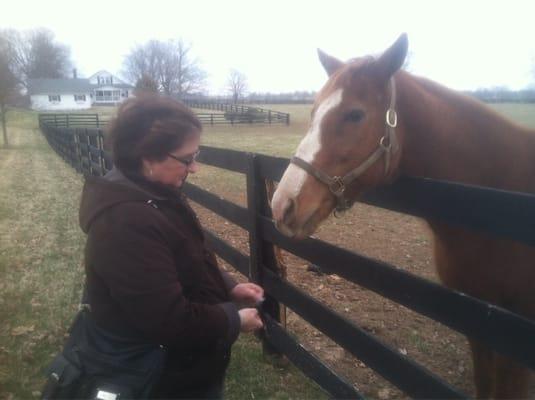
388 145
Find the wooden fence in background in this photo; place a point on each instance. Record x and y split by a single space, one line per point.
262 115
71 120
235 117
499 213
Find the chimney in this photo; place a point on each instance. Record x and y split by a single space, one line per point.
74 73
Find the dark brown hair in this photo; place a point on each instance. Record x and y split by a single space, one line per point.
149 126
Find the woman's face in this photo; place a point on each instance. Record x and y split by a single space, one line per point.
174 169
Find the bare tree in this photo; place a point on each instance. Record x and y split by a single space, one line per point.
36 54
169 64
146 84
237 84
143 62
8 83
190 77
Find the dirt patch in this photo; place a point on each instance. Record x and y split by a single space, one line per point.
398 239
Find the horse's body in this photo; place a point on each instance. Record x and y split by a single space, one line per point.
442 135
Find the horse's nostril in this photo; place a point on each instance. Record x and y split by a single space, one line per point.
289 210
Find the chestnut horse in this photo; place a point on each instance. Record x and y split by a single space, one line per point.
372 122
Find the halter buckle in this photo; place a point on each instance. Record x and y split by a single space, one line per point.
391 118
384 145
337 186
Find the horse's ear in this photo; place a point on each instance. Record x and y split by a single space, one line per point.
330 63
392 59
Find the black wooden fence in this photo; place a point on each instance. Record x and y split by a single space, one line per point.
261 115
236 117
499 213
69 120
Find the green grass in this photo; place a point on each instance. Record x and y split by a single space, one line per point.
250 376
521 113
40 256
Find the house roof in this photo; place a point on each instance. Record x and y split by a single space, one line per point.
114 85
45 86
66 86
117 81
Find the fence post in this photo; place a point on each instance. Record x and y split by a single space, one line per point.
89 157
72 148
261 252
211 119
97 120
65 144
269 116
288 119
67 121
78 150
100 146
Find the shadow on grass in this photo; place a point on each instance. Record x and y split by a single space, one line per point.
252 376
33 146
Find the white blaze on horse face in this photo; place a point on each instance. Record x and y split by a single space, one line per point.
311 144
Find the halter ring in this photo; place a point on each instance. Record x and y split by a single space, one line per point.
341 187
391 118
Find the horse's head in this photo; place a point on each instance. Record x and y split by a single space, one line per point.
351 144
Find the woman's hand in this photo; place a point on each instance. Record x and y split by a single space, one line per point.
247 294
250 320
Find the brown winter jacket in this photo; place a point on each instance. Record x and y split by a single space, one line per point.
150 274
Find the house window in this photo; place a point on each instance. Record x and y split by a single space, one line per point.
107 95
54 98
108 80
79 97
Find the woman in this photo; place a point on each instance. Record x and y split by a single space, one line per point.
148 270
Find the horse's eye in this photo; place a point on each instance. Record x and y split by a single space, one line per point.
354 115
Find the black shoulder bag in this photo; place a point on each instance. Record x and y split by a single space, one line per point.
97 364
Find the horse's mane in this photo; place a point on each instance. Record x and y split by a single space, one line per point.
457 99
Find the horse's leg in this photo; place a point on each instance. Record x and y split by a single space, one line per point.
483 361
511 379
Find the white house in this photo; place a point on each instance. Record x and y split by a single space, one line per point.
101 88
108 89
60 94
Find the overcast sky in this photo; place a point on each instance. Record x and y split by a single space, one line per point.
464 44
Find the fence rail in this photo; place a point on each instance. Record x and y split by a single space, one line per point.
507 333
71 120
263 115
236 117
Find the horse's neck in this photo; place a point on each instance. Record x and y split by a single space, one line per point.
450 136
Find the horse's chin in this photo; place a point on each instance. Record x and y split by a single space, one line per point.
301 231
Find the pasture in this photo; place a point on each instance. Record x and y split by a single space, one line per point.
40 267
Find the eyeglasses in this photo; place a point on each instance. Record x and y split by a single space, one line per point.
187 161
